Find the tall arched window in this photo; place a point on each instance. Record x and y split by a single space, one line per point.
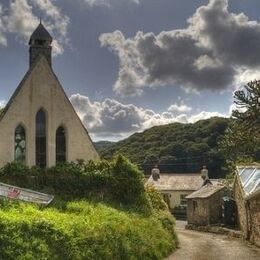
20 144
60 145
40 141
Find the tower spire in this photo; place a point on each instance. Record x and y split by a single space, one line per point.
40 44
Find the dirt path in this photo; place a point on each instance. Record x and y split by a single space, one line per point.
205 246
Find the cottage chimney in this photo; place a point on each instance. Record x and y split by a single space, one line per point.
204 173
155 173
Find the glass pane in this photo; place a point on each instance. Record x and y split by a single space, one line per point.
41 139
60 145
252 182
20 144
246 174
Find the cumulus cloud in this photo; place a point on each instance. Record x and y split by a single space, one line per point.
20 19
112 119
208 54
3 40
182 108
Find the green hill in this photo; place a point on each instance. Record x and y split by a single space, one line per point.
176 147
103 144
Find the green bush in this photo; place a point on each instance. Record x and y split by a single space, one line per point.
81 230
155 199
126 182
117 181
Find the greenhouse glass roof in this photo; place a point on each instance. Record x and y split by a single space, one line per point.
250 179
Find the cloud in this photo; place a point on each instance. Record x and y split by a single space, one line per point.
208 54
111 119
182 108
3 40
2 103
107 3
20 18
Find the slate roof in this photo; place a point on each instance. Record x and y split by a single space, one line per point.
249 177
177 182
205 191
40 33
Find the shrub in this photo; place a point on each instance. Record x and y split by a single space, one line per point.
155 199
117 181
126 182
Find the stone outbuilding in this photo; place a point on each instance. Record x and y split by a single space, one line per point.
39 125
175 187
247 196
204 206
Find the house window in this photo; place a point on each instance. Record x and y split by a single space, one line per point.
195 204
60 145
183 200
20 144
41 138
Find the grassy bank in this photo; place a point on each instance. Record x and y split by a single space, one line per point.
83 230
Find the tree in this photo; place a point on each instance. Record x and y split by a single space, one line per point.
242 139
248 106
1 110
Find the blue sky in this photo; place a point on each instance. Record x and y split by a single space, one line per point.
128 65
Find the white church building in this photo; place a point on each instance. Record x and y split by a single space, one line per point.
39 126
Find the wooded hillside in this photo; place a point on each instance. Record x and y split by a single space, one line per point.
176 147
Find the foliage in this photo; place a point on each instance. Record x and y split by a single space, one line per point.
1 110
248 106
241 142
117 181
126 182
176 147
155 199
82 230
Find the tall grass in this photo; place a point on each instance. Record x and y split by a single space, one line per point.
83 230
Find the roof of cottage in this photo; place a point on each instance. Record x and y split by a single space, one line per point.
249 177
177 182
205 191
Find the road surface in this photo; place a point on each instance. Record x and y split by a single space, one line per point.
206 246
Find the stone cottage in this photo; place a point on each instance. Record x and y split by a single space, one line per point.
39 125
204 206
175 187
247 196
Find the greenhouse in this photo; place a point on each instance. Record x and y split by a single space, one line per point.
250 179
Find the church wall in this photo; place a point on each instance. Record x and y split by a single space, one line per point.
42 90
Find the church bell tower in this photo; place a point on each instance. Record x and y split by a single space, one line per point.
40 44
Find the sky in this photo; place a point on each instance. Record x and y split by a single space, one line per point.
128 65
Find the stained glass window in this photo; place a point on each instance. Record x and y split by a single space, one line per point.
20 144
60 145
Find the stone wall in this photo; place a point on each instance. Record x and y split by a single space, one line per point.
215 206
208 210
198 211
248 214
254 214
241 207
